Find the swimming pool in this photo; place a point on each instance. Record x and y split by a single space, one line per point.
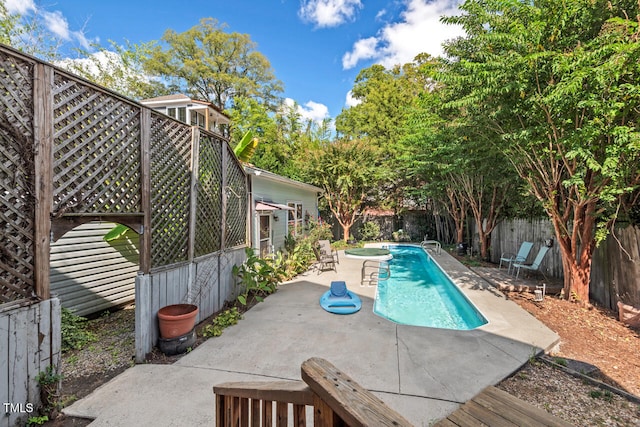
419 293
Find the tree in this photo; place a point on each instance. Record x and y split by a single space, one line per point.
215 66
120 69
347 171
28 34
384 97
558 83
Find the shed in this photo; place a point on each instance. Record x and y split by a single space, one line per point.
91 275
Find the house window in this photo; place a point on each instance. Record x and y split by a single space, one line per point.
179 113
197 119
296 219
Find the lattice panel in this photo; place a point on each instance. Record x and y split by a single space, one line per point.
17 202
209 213
236 191
170 188
96 151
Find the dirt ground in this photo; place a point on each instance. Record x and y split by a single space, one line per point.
593 336
592 342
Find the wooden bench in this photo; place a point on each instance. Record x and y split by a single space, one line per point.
336 400
494 407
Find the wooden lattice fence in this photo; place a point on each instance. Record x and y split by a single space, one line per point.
17 197
74 152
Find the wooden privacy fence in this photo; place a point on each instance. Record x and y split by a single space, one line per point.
615 269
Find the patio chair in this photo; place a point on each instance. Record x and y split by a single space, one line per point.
325 249
535 266
324 262
520 257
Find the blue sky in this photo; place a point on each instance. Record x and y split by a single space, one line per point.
316 47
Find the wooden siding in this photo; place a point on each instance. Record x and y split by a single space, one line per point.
279 192
29 343
89 274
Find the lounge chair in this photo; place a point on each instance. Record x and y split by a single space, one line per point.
339 300
535 266
519 258
325 262
325 249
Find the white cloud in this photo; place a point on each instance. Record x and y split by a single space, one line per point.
363 49
310 111
329 13
57 24
19 6
419 30
351 101
54 22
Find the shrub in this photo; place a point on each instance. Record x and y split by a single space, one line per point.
369 231
258 277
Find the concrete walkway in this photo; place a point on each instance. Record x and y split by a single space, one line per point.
422 373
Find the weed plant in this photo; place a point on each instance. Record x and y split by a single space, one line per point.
75 334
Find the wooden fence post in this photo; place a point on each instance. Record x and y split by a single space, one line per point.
145 189
223 222
43 165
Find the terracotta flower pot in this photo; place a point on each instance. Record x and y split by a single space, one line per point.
177 320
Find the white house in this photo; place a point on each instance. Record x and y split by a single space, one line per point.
279 206
191 111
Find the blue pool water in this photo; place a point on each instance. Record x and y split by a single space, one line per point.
419 293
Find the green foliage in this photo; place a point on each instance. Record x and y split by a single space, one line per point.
246 147
258 277
369 231
37 421
74 331
221 321
348 172
49 381
30 34
606 395
48 377
116 232
555 86
214 65
560 361
401 236
119 68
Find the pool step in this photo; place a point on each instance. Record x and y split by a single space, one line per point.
374 271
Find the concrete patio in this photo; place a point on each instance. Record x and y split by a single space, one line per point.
423 373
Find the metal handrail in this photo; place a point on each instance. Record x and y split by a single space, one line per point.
431 244
371 278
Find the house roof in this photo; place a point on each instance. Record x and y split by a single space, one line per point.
181 98
254 172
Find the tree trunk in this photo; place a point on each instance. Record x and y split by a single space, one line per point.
457 208
577 257
346 228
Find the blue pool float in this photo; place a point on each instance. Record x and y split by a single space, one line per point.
340 300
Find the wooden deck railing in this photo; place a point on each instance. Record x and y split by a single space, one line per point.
336 399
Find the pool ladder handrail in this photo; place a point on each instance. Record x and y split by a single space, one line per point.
371 278
431 244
